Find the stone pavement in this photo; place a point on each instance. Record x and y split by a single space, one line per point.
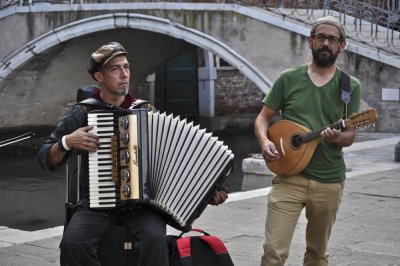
367 230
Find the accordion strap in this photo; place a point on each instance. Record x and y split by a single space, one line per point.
96 103
93 102
138 103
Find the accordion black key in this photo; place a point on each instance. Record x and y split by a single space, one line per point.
154 159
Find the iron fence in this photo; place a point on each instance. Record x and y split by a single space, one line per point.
8 3
375 23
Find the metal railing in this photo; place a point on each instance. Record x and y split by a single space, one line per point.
375 23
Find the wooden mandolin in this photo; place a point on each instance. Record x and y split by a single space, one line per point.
296 143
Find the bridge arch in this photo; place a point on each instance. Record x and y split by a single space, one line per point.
135 21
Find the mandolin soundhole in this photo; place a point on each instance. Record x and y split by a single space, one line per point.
296 142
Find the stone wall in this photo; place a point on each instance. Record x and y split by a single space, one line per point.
235 94
45 85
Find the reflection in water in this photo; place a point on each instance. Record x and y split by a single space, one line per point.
33 199
30 198
242 146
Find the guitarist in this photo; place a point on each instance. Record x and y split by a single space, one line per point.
309 95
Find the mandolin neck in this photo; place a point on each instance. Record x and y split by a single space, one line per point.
314 134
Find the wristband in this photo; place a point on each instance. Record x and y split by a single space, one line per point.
62 145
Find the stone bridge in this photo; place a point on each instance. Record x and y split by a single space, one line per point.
45 48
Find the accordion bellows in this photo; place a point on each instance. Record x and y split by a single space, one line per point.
155 159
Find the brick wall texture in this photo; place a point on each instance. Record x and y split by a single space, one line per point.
236 94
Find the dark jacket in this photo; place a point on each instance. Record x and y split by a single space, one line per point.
73 119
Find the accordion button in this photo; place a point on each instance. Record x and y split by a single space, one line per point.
125 138
125 175
126 191
125 157
124 122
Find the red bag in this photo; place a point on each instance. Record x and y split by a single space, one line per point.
203 250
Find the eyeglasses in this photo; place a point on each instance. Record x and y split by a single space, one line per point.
331 39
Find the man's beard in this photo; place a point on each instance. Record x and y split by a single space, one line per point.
324 57
122 90
125 92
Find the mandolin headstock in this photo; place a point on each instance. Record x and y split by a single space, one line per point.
362 119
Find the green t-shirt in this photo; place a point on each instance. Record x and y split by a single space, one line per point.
300 101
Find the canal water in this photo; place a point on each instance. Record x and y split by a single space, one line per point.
30 198
33 199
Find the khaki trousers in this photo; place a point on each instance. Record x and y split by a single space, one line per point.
286 199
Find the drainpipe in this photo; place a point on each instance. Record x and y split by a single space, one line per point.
151 79
206 76
397 152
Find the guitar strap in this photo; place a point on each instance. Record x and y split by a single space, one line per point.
345 90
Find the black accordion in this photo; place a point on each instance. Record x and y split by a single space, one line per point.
154 159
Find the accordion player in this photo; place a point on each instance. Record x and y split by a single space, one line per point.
157 160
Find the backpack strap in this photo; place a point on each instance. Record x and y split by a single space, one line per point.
86 92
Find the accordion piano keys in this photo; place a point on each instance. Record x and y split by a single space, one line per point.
101 187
